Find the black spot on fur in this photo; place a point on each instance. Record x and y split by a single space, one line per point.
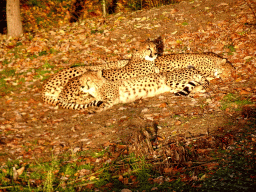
181 93
186 89
191 83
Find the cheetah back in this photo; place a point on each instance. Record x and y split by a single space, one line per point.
136 67
54 85
209 65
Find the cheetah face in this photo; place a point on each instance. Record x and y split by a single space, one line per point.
147 51
87 89
151 50
225 69
90 82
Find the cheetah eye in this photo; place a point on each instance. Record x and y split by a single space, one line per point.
82 87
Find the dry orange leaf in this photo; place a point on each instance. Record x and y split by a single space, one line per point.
238 79
202 150
125 181
212 165
121 146
120 178
244 92
9 101
108 144
174 11
160 138
31 100
20 171
168 170
177 123
163 105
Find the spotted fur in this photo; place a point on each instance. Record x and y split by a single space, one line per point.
147 52
109 93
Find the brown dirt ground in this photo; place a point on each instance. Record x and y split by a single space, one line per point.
31 129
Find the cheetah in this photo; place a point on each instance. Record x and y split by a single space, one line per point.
144 61
147 52
210 65
108 93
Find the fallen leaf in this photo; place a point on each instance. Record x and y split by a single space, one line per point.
222 4
212 165
247 57
125 181
120 178
121 146
244 92
9 101
177 123
174 11
92 178
15 174
168 170
20 171
126 190
163 105
31 100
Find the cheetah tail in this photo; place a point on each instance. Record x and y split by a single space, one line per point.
191 86
77 106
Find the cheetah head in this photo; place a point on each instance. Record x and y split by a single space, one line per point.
224 70
147 51
91 81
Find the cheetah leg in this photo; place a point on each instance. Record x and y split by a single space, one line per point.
107 96
199 84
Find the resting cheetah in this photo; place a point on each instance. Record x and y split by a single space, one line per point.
209 65
147 52
74 95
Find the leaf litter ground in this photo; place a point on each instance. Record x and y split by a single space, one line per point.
32 130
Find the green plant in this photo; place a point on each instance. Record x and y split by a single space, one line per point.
135 5
248 60
231 48
97 31
47 65
233 101
41 53
36 3
5 87
237 170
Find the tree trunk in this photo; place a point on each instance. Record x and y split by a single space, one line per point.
14 24
104 7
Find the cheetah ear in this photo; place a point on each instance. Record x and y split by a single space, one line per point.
99 73
223 61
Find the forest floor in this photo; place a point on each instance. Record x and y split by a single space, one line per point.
31 130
